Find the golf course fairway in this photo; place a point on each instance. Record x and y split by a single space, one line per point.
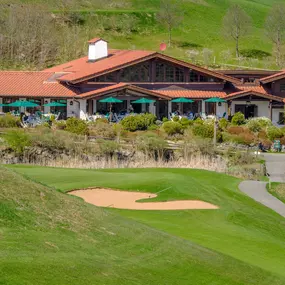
50 237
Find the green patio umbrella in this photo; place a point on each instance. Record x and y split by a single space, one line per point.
110 100
3 105
215 100
182 100
143 101
20 103
54 104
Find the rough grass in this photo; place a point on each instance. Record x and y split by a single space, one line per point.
278 190
241 243
202 27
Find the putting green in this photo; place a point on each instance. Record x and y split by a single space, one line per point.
244 239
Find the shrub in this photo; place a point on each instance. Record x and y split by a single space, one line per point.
76 126
244 138
102 130
204 131
172 128
198 121
164 119
274 133
175 119
102 120
151 143
153 127
223 123
186 123
138 122
257 124
9 121
238 119
18 140
59 125
108 147
236 130
148 118
132 123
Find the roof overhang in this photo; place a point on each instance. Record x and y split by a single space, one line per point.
120 87
159 56
241 94
272 78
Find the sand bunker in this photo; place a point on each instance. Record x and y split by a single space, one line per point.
128 200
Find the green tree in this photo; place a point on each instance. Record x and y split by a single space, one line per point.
236 24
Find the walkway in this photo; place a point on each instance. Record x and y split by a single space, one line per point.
257 191
275 165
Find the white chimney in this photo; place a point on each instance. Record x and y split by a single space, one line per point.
98 48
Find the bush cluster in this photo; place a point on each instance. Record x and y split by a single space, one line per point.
274 133
76 126
204 130
138 122
9 121
18 140
172 128
257 124
102 129
238 119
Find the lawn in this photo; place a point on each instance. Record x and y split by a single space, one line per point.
241 243
278 190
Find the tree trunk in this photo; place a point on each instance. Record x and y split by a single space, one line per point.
278 49
169 36
237 47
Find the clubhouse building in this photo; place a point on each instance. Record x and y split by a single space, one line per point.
132 74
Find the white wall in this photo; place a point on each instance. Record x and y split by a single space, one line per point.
72 110
262 109
97 50
222 109
81 108
46 108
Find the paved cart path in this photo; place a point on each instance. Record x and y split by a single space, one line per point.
257 191
275 165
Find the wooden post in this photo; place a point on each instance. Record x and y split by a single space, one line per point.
270 110
215 132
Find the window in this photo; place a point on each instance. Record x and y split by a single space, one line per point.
137 73
159 72
193 76
179 75
111 77
282 87
169 73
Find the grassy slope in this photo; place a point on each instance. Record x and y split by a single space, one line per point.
202 26
277 190
241 229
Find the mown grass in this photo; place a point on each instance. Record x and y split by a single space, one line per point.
242 230
277 190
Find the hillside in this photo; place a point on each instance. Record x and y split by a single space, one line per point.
133 25
48 237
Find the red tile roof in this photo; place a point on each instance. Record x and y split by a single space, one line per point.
81 69
95 40
32 84
253 92
193 94
273 77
